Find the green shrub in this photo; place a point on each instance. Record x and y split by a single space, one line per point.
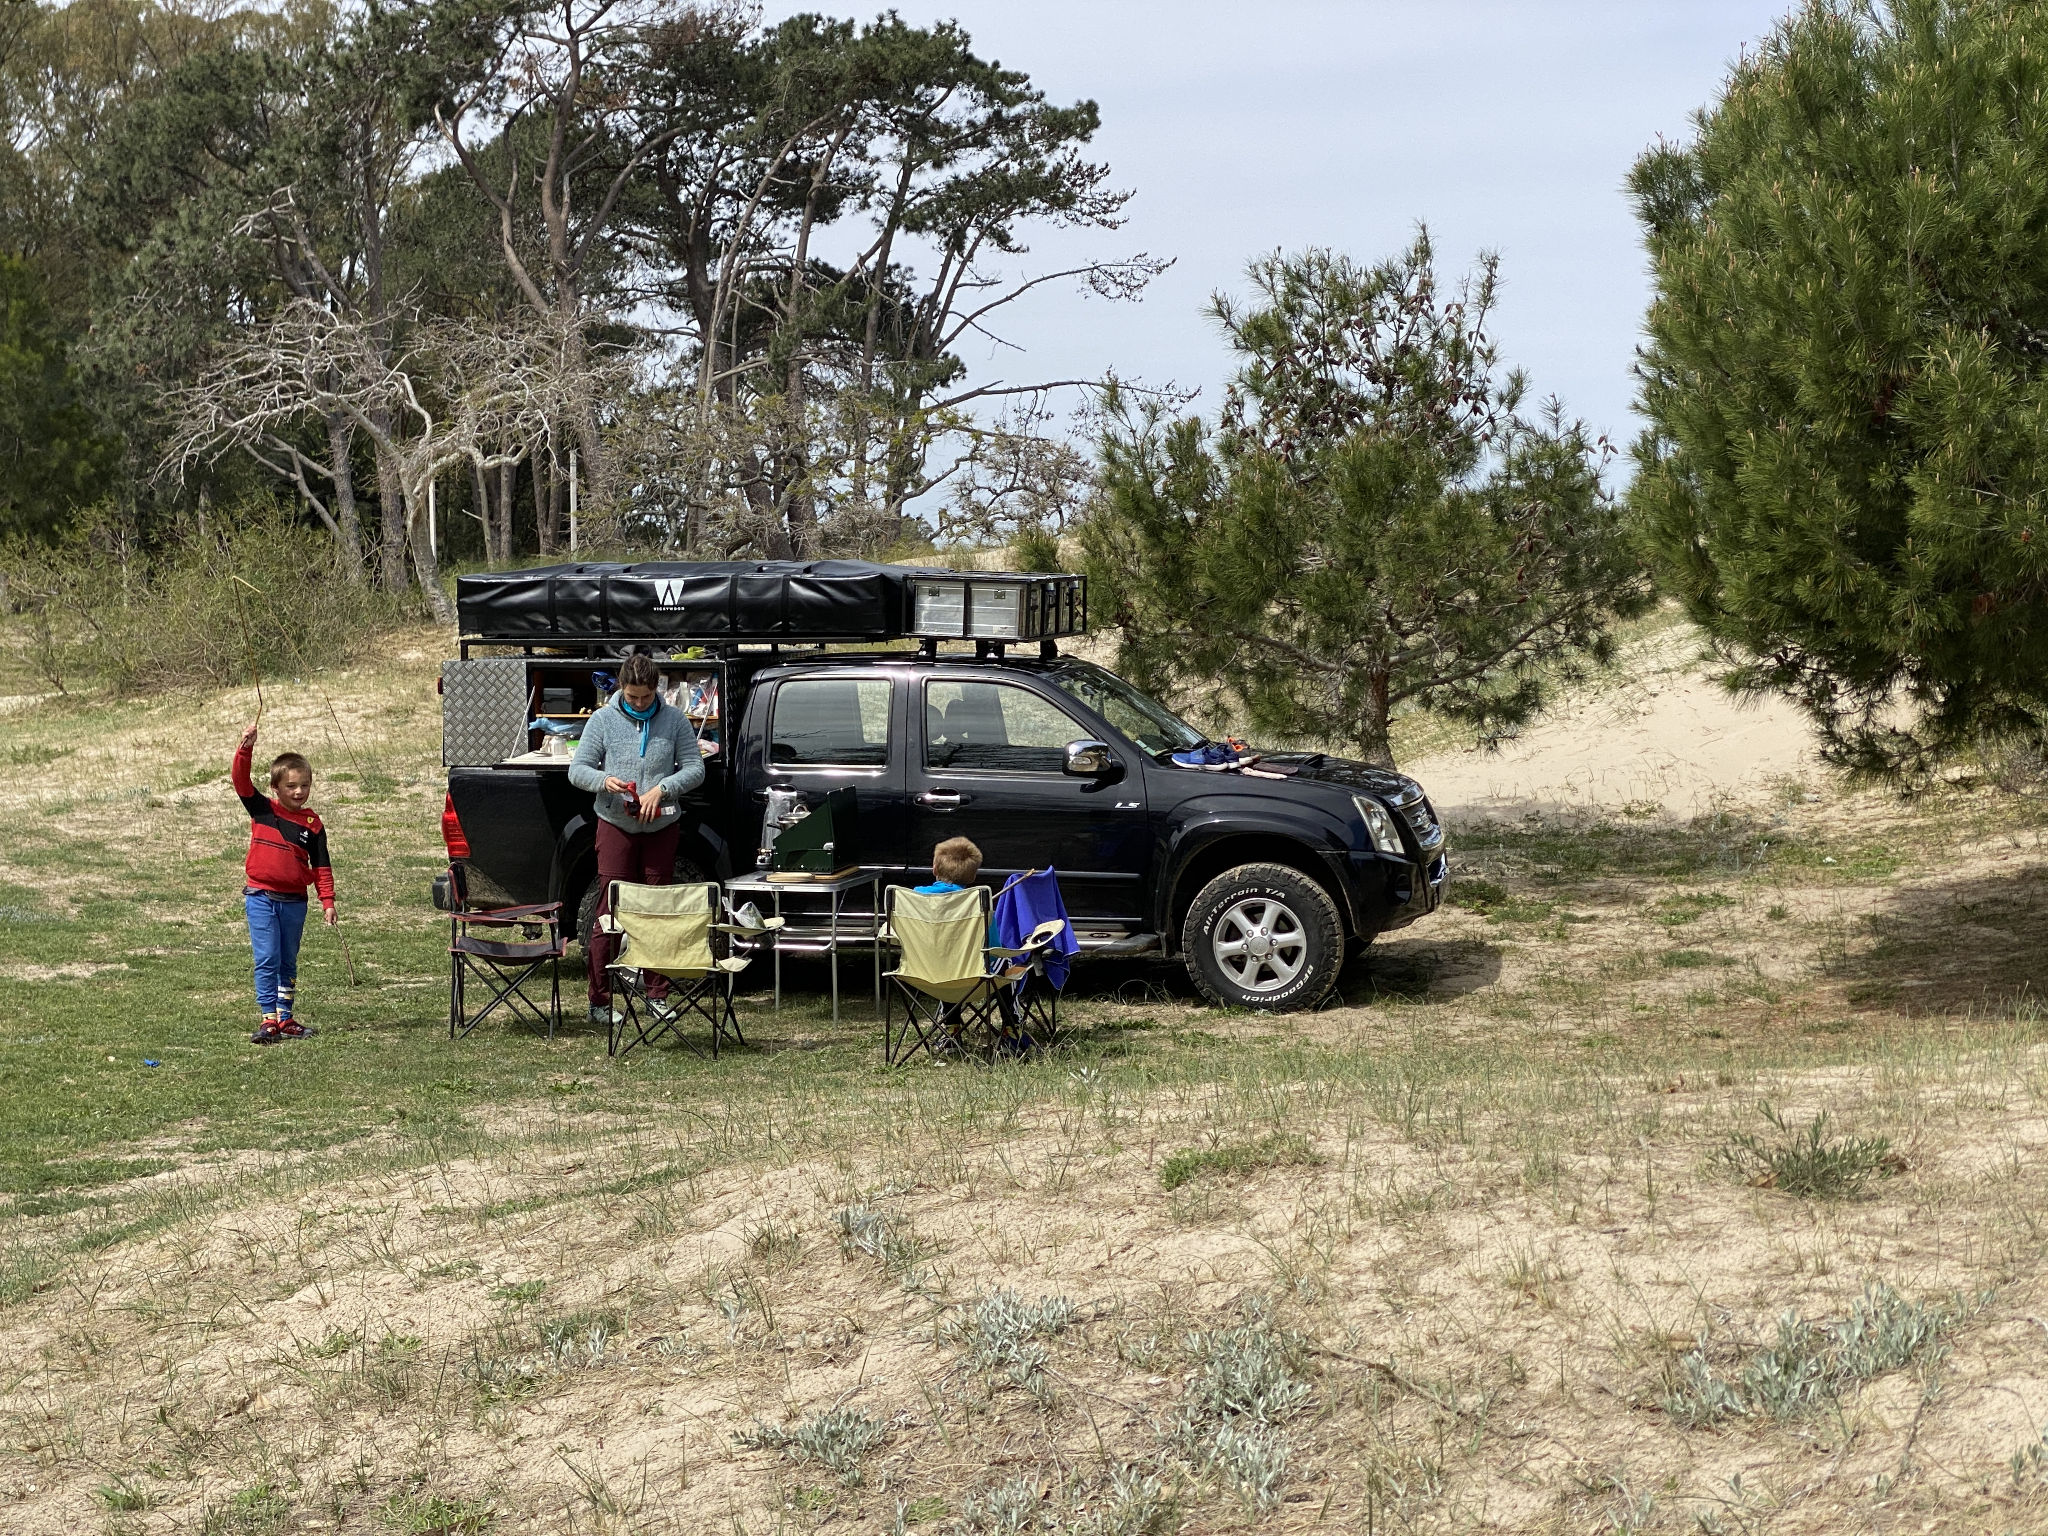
256 597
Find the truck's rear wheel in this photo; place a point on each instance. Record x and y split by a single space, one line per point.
1264 936
586 907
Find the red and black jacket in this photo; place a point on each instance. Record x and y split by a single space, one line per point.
287 848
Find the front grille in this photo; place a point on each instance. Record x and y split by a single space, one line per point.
1415 810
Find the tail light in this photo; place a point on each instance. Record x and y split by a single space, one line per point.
451 830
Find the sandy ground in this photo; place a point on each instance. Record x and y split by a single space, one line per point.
1658 739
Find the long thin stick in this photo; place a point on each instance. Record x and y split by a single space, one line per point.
249 642
346 955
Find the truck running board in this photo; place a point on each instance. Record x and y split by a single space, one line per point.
1134 944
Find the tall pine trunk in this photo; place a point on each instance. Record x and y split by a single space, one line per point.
1375 731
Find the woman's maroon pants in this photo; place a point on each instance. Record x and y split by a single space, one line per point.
639 858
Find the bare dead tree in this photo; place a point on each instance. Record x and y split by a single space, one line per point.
454 396
559 65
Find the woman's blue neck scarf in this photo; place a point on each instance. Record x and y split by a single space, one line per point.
644 716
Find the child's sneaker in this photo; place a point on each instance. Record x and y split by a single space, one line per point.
267 1033
292 1029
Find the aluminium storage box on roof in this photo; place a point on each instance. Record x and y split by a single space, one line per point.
771 600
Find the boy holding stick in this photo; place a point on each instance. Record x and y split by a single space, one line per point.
287 852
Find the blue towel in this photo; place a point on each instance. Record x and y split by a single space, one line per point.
1028 900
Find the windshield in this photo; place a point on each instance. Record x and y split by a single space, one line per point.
1153 726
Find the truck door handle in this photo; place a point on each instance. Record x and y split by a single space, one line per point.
942 799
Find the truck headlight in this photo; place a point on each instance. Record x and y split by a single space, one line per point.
1385 835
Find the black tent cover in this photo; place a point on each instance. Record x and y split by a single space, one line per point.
694 600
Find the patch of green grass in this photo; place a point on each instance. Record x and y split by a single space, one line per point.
123 1495
1858 861
1687 906
33 754
1237 1159
1808 1162
1475 894
1496 903
520 1292
1690 959
431 1514
258 1510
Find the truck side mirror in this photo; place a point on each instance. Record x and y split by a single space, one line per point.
1089 759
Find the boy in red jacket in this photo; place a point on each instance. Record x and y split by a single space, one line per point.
287 851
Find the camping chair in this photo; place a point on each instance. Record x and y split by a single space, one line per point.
1030 911
949 979
673 931
502 949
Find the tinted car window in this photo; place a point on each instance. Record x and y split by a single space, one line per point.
840 722
994 726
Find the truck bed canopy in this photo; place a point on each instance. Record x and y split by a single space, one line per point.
783 600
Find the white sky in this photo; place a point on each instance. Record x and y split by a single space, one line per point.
1245 127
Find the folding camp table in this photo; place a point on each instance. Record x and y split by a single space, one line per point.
837 889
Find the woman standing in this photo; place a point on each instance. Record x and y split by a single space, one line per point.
639 756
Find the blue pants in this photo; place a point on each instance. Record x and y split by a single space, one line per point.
276 924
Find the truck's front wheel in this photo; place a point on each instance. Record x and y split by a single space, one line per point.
1264 936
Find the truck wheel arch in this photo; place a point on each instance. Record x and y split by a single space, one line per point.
1227 850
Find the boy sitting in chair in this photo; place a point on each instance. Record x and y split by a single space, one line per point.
955 864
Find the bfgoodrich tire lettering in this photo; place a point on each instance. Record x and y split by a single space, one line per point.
1264 936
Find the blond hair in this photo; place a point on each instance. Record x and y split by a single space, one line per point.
956 861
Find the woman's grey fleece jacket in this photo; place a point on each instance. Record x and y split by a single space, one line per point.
611 749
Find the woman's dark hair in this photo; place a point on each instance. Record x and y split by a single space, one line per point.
639 672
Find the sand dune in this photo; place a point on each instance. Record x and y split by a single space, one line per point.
1657 736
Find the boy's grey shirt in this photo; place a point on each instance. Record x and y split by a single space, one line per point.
610 748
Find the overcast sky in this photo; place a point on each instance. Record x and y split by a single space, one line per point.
1249 125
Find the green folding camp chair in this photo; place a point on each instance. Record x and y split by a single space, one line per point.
956 989
672 931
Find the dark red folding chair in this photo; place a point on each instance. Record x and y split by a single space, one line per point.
502 949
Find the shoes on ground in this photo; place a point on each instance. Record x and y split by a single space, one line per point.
267 1033
292 1029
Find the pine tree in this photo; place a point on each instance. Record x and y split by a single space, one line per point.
53 456
1373 521
1845 479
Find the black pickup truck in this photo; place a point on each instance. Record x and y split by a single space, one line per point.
1261 880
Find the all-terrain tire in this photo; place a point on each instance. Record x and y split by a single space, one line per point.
1264 936
586 907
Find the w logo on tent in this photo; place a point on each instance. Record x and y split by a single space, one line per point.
668 592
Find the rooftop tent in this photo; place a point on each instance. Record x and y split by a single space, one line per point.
679 600
688 600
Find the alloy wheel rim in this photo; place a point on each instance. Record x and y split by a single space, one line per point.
1259 944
